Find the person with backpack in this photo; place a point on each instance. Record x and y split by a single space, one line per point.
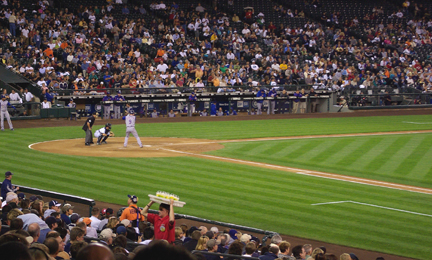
132 212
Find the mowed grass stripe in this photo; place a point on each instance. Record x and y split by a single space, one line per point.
338 156
281 149
402 152
329 148
316 151
362 148
423 167
370 154
392 147
414 157
307 146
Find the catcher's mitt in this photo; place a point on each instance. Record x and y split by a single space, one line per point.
112 134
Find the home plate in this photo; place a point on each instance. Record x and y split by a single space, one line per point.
146 145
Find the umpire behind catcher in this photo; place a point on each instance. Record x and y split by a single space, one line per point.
87 127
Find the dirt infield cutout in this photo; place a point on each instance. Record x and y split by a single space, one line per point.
115 148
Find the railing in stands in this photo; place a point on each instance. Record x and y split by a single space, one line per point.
59 196
389 101
162 90
224 255
267 234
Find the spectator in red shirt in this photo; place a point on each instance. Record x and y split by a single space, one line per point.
91 68
271 27
164 223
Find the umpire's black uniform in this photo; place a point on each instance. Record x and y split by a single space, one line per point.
89 122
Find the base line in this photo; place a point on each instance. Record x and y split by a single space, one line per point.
417 123
372 205
312 173
331 202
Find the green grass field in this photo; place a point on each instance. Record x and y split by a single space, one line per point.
401 159
262 198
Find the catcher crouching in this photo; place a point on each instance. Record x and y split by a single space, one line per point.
103 134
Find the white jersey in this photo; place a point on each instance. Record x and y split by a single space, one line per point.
130 121
100 132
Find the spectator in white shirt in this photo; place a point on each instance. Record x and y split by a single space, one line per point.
46 104
29 69
27 96
275 67
230 55
95 221
91 231
40 82
162 67
246 30
80 78
15 96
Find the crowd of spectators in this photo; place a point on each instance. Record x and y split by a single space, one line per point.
35 229
114 46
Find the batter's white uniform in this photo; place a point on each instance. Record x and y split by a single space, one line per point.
130 129
4 113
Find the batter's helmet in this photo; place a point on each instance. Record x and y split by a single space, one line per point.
131 111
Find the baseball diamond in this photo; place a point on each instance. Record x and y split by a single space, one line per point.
300 129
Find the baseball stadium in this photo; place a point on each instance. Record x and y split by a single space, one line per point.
263 122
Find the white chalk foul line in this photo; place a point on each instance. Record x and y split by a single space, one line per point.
417 123
315 173
331 202
298 138
372 205
30 146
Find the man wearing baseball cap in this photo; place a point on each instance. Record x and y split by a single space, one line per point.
132 212
54 206
109 212
7 185
164 223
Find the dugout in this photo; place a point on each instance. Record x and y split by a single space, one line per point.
243 101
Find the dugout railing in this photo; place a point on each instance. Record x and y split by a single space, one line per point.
157 89
244 101
389 101
59 196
